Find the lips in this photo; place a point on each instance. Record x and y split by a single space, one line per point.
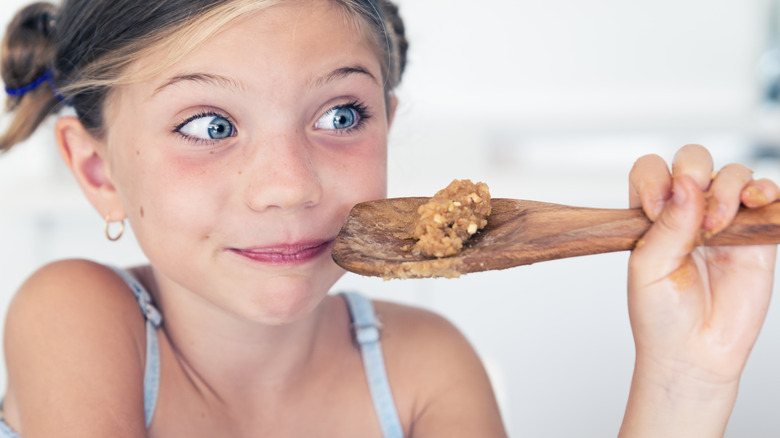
293 254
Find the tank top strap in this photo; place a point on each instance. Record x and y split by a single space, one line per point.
148 309
5 430
153 319
366 331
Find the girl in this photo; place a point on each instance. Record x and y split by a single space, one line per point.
234 137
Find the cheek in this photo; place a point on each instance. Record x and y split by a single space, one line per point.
362 176
160 195
161 187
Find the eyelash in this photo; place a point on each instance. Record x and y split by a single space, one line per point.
362 111
196 140
360 108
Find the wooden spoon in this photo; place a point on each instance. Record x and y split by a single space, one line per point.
376 237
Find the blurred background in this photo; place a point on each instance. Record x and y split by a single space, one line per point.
547 100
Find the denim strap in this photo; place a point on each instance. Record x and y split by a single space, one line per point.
5 431
153 321
366 331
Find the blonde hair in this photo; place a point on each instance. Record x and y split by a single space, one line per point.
95 43
113 69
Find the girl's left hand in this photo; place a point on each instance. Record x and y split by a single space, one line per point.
695 312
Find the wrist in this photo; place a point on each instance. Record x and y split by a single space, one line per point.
671 400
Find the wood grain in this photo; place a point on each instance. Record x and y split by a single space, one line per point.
376 237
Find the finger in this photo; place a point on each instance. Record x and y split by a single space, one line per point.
724 196
668 243
759 193
650 185
695 161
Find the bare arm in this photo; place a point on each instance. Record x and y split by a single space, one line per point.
74 348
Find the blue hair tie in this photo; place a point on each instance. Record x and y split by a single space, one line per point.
45 77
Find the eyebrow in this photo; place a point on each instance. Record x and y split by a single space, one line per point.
204 78
208 78
341 73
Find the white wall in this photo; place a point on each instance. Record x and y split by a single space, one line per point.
549 100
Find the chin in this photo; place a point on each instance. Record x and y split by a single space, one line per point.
286 299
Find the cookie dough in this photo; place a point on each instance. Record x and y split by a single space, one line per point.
451 217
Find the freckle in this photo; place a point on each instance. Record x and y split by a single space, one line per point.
239 172
141 211
138 152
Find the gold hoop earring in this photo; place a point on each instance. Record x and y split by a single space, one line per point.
121 229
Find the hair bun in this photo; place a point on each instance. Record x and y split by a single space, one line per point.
46 23
28 45
26 56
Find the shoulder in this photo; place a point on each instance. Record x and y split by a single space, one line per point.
80 270
67 298
431 361
413 327
71 324
425 340
72 286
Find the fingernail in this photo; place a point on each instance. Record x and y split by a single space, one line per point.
753 196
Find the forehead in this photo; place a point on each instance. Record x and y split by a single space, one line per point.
291 26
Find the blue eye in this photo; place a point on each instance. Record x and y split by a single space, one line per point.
207 127
340 118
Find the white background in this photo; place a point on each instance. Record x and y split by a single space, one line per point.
548 100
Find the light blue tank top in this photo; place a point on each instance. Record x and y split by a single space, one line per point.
366 329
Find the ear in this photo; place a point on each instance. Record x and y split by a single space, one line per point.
84 156
392 104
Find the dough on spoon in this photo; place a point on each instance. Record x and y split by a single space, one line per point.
451 217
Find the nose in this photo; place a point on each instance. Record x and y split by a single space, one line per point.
284 175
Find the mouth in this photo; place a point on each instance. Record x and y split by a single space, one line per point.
285 255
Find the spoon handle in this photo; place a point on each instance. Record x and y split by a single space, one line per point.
750 227
532 232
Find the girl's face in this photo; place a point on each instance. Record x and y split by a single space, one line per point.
238 165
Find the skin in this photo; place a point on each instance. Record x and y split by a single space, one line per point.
238 234
251 345
695 312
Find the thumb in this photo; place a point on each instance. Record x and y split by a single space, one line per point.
668 243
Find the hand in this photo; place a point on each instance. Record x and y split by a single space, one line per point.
695 311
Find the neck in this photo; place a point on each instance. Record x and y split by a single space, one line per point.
231 358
